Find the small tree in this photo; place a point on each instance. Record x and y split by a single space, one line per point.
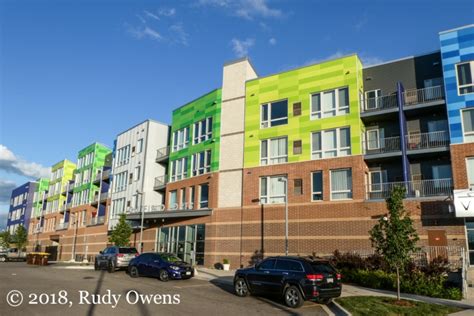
120 236
21 237
394 236
5 239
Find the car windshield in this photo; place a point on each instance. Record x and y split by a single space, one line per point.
127 250
322 267
170 258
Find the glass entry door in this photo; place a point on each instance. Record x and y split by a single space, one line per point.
470 239
186 242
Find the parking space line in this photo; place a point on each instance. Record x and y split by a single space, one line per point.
188 286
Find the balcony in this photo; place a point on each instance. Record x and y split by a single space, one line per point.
102 176
62 226
382 147
162 154
413 189
386 102
423 96
160 183
97 220
427 141
103 197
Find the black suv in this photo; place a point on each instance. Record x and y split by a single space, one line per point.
297 279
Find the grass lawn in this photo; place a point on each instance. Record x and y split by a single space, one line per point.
374 305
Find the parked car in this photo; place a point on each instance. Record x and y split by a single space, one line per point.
296 279
12 254
114 257
164 266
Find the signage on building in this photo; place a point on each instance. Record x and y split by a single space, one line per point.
464 203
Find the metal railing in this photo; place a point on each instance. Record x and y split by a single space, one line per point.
97 220
161 181
382 145
380 103
38 230
413 189
425 95
62 226
416 141
162 153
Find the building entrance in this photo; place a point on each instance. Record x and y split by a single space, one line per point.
187 242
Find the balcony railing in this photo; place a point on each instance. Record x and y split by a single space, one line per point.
382 145
160 181
425 95
97 220
38 230
416 141
413 189
162 153
381 103
62 226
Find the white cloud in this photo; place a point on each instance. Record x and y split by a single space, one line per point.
241 47
9 162
167 11
142 19
151 15
247 9
179 35
272 41
6 187
144 32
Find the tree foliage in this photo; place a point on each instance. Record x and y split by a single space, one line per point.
5 239
21 237
120 236
394 236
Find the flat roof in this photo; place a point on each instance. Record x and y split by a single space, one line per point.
457 29
147 120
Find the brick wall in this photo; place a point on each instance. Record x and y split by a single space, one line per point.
459 153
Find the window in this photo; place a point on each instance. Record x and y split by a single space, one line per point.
372 98
173 204
373 140
375 181
179 169
191 197
201 162
330 103
470 172
297 109
123 155
341 184
204 196
136 173
274 114
317 186
297 147
267 264
182 203
331 143
139 145
468 124
120 181
272 190
298 186
274 151
202 130
465 76
180 139
118 206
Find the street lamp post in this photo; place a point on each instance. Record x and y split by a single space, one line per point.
142 211
286 213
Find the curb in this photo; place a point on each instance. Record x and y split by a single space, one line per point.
339 310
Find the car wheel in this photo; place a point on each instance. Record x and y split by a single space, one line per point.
293 297
241 288
3 259
111 267
164 276
134 272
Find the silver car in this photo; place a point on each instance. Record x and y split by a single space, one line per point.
114 257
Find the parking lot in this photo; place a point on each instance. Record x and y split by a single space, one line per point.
119 294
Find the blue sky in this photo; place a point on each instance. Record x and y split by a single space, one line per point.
75 72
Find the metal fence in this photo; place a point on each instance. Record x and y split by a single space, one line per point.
416 141
425 95
413 189
382 145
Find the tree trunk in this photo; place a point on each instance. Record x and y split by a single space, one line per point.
398 283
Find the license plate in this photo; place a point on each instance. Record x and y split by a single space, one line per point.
188 272
330 280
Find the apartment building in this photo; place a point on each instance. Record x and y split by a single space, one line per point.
37 215
139 168
21 206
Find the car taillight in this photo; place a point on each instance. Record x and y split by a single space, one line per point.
120 255
315 277
338 276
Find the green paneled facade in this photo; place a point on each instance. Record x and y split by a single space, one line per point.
297 86
209 105
90 160
43 185
61 173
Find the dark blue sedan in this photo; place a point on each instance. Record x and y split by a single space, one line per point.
164 266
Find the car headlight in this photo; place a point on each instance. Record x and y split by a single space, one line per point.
175 268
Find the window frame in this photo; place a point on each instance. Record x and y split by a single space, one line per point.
199 137
459 87
337 108
200 202
269 194
268 122
196 160
312 187
268 159
174 175
323 151
470 185
331 192
177 145
464 133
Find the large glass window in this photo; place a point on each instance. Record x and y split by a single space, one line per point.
331 143
179 169
201 162
273 189
122 156
180 139
204 196
317 186
274 151
465 75
330 103
468 124
470 172
341 184
172 205
274 114
120 181
202 130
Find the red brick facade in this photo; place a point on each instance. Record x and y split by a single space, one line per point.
459 153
